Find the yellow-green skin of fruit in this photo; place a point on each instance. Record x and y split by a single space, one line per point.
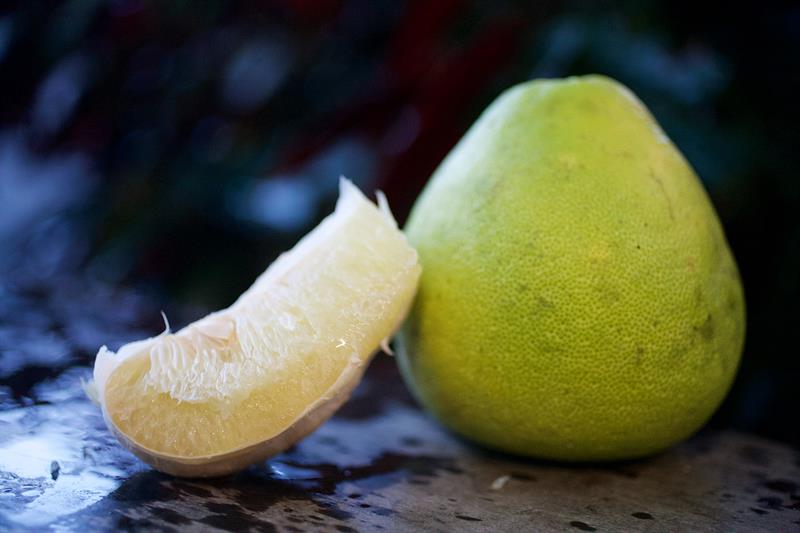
578 299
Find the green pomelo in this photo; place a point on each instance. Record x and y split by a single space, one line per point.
578 299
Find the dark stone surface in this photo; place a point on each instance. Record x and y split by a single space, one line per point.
379 464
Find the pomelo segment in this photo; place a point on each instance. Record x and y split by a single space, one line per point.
247 382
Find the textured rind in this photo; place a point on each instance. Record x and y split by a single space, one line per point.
578 300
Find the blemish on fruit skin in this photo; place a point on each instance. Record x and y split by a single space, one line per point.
697 293
733 303
663 190
706 330
544 303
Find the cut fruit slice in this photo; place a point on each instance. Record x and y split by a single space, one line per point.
247 382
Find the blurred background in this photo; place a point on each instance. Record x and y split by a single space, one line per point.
159 155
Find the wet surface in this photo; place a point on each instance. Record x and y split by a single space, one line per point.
379 464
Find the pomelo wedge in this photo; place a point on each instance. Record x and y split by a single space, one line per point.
247 382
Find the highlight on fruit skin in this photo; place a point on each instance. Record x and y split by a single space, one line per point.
247 382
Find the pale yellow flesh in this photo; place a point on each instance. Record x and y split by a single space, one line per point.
296 340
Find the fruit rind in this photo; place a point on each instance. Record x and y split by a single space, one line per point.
236 460
579 300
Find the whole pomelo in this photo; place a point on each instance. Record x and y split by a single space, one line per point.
578 299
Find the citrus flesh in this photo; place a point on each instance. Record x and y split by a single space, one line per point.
578 299
246 382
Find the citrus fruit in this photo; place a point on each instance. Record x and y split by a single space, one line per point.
578 299
247 382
